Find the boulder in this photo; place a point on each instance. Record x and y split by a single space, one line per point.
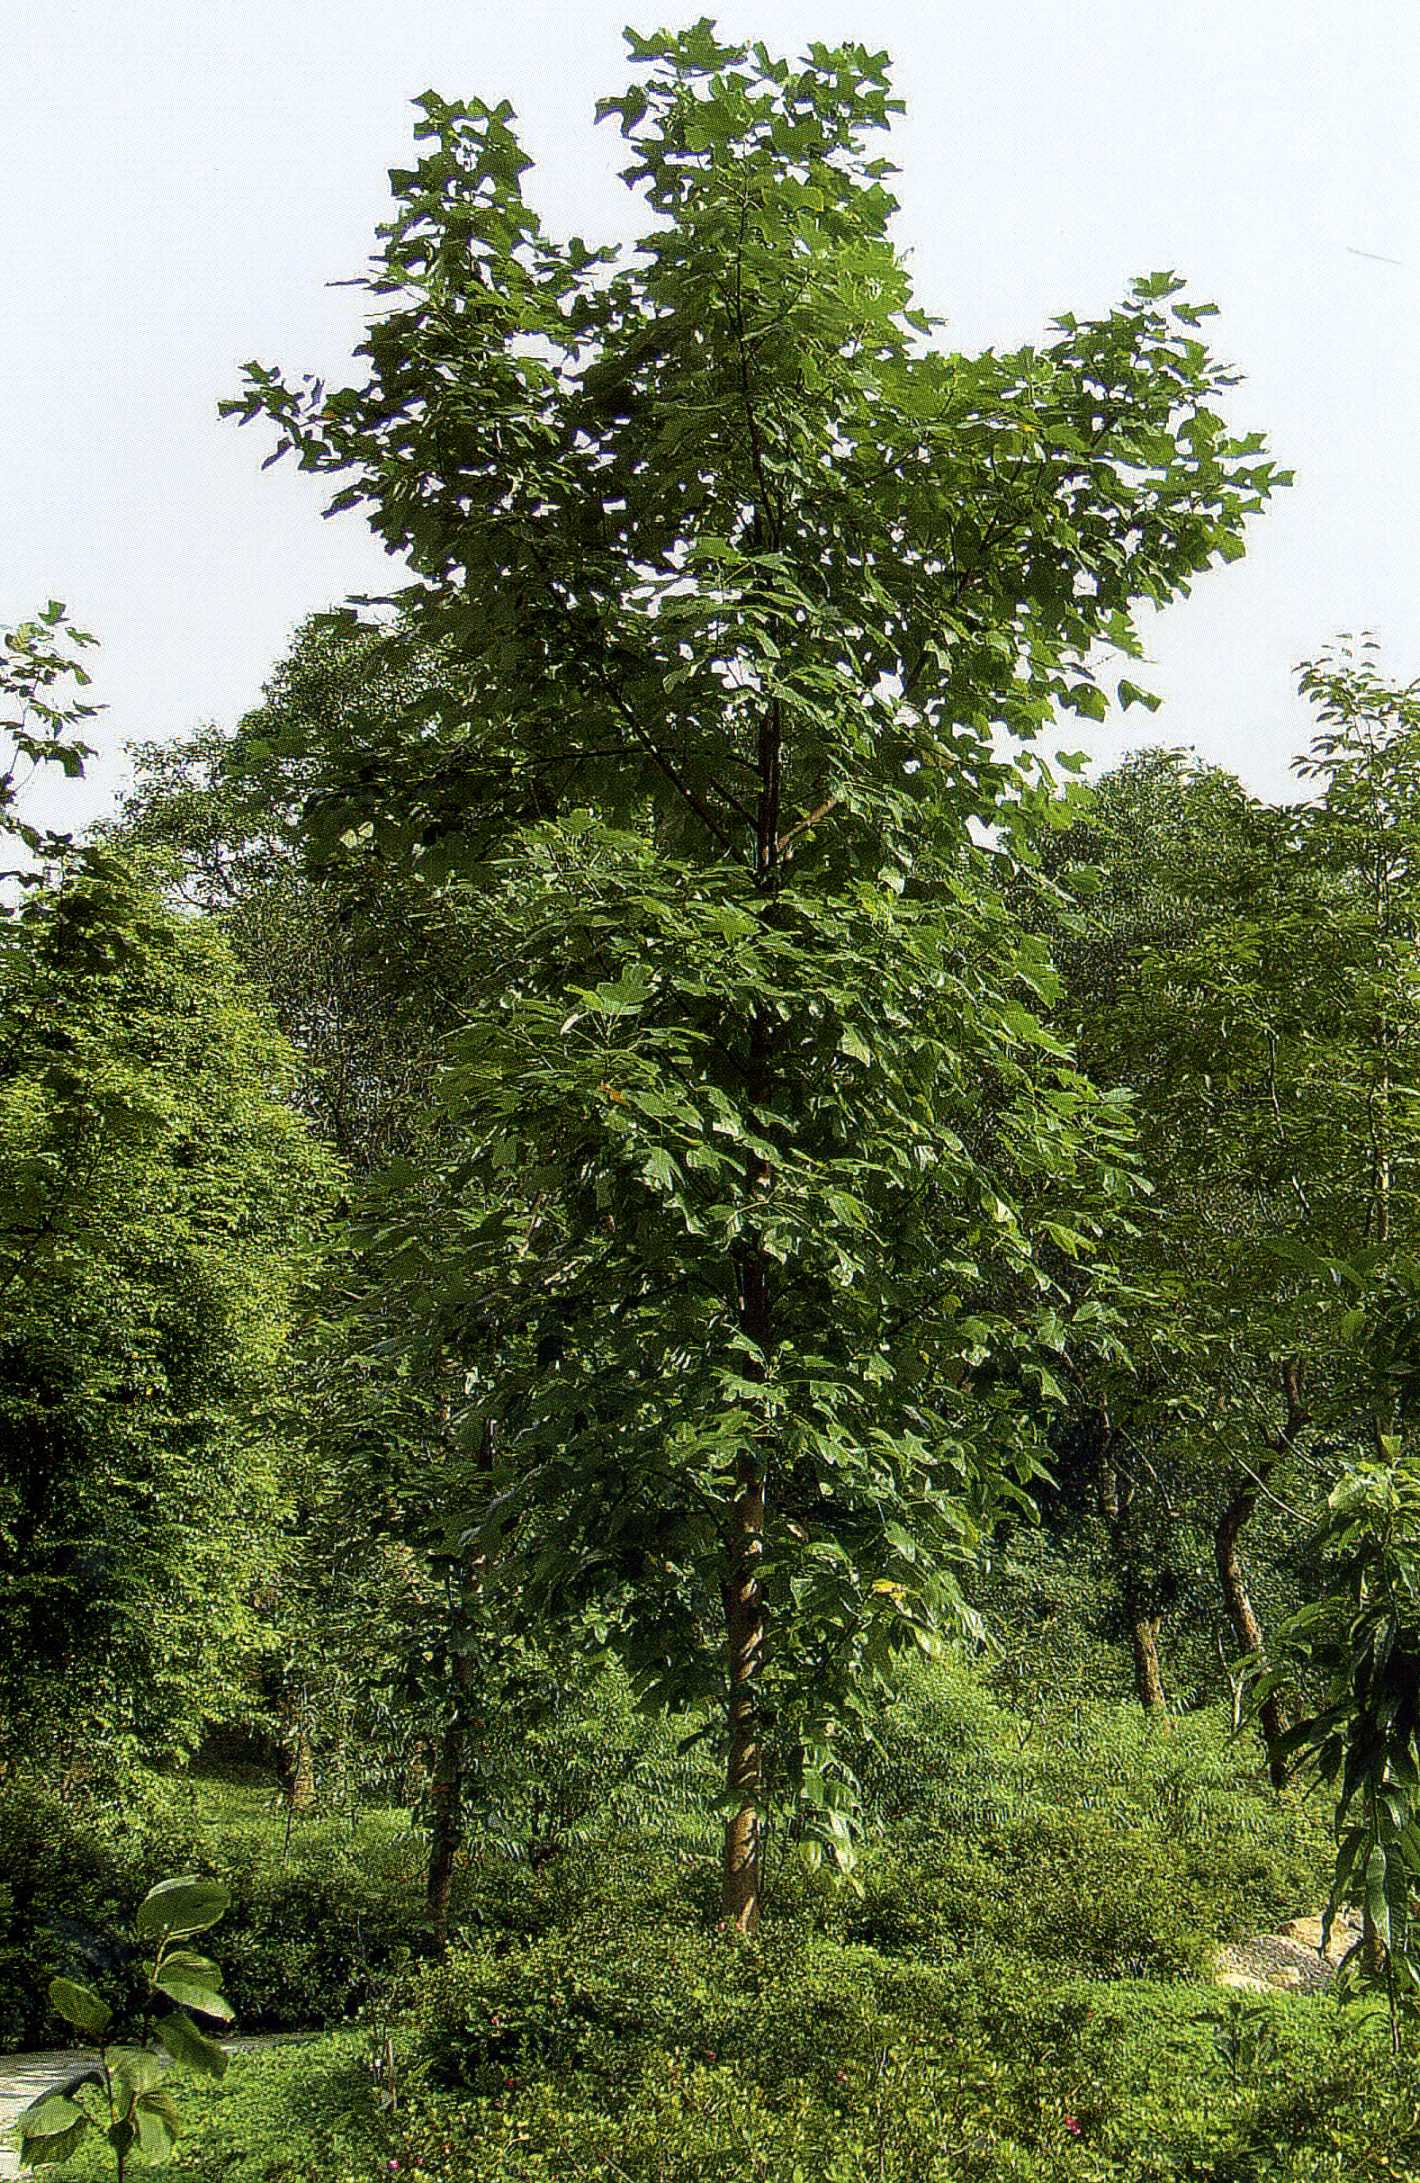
1291 1960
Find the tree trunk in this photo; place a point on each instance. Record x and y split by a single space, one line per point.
446 1805
743 1873
1247 1630
1148 1674
1116 1494
450 1764
301 1771
744 1631
744 1623
1272 1718
297 1759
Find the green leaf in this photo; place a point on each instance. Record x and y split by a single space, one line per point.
134 2070
50 2115
181 1906
156 2119
187 1963
80 2006
1377 1902
188 2045
621 998
660 1168
193 1993
49 2152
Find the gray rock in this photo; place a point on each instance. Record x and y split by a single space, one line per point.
1289 1960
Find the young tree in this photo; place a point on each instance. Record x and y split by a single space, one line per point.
770 1174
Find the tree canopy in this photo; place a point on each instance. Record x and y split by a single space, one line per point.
769 1185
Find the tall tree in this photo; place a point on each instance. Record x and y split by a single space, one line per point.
770 1173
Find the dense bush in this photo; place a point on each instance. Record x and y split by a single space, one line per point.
304 1943
297 2113
1085 1836
604 1998
647 2054
1058 1889
836 2064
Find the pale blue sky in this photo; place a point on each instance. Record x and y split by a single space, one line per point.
184 177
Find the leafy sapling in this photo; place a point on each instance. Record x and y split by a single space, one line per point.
122 2093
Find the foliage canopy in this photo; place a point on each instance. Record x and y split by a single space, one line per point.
771 1181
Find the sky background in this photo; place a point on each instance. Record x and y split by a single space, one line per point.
184 179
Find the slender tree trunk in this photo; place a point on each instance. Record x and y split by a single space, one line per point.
297 1759
1148 1673
742 1875
1247 1630
1116 1495
742 1878
745 1611
744 1625
450 1765
1272 1716
301 1792
446 1806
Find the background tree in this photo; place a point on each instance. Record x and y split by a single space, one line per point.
44 718
365 971
1247 972
358 969
1180 968
1363 836
158 1211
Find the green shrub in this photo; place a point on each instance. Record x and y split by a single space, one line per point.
297 2113
307 1942
629 2052
313 1946
71 1876
1085 1835
602 1999
644 1875
648 2056
1059 1889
